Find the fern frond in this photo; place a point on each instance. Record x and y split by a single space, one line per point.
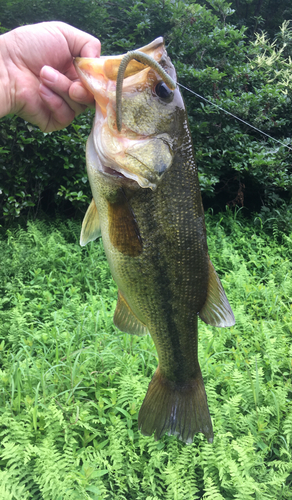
211 490
287 428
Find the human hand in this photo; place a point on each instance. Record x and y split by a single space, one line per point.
39 80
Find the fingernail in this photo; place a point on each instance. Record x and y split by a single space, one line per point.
49 74
79 93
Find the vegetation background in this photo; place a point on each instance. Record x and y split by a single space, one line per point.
221 51
70 384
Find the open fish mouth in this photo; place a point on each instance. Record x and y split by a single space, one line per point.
127 145
96 73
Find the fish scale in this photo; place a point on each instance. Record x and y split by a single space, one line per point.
147 206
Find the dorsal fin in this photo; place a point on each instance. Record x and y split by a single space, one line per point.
126 321
216 311
90 226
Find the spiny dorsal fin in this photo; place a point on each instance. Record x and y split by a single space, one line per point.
90 226
216 311
126 321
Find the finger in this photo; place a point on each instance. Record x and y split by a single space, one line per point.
59 84
61 114
80 94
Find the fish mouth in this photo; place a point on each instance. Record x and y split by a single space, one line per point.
128 155
97 73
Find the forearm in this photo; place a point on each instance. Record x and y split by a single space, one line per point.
6 85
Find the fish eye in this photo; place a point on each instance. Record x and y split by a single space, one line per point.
162 91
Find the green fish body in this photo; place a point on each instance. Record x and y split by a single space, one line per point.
147 206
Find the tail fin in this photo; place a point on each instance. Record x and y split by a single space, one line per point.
179 409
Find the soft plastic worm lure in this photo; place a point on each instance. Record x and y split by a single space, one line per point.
144 59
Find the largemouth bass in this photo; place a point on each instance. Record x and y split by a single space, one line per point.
147 206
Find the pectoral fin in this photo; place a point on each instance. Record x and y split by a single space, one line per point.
126 321
123 229
216 311
90 226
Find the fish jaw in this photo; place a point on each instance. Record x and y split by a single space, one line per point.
97 73
107 67
143 151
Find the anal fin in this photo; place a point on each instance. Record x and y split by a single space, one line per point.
173 408
90 226
216 311
126 321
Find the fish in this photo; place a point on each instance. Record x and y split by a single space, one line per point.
147 207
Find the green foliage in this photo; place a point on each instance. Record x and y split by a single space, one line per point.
249 77
38 169
261 15
249 80
71 384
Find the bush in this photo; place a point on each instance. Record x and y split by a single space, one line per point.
252 79
42 170
249 80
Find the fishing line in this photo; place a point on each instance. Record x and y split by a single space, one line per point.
234 116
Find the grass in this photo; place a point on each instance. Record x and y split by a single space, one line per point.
71 384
